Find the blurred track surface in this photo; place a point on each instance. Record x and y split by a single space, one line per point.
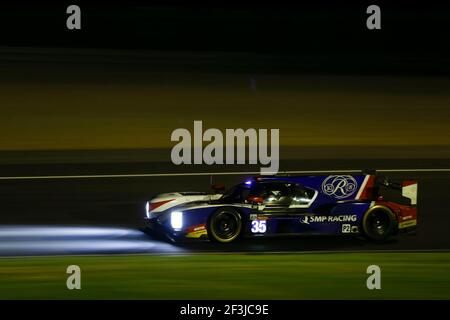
104 215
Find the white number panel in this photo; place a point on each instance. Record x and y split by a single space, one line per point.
259 226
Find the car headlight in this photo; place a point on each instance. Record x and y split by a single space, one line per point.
147 209
176 220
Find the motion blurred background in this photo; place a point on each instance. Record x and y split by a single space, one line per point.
136 72
105 99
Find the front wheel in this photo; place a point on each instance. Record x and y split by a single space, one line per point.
379 223
225 225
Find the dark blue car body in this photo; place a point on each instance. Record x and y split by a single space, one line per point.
279 205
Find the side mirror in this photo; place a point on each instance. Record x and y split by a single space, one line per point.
218 188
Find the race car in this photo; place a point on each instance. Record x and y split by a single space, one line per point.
365 204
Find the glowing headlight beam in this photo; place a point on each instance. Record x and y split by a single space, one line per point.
176 220
147 209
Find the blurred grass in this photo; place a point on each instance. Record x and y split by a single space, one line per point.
131 109
229 276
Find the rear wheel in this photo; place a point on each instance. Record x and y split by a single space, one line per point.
379 223
225 225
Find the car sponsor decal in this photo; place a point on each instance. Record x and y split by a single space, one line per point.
304 220
348 228
406 224
307 219
258 217
197 231
339 186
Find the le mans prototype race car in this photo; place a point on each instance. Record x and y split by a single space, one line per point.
367 204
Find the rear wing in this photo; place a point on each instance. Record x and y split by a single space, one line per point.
404 192
409 190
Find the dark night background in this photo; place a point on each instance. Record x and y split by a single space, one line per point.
319 36
79 104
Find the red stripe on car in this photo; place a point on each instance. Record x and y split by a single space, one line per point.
154 205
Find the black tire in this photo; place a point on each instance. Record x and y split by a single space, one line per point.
379 223
225 225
